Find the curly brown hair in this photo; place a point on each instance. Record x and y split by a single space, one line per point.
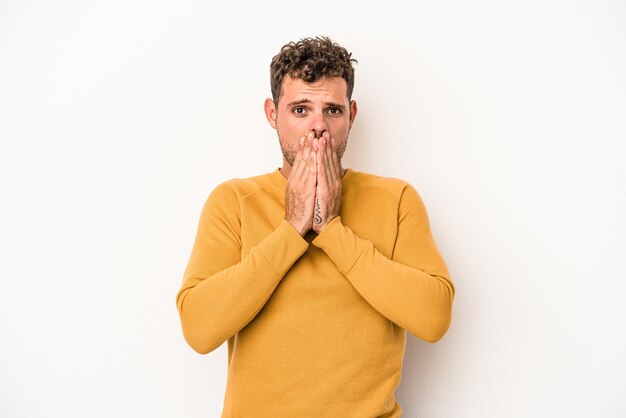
309 60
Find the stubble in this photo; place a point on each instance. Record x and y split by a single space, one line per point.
289 150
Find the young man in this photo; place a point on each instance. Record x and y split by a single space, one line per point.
313 273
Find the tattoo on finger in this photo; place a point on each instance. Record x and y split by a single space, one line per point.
318 212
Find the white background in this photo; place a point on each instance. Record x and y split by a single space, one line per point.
118 118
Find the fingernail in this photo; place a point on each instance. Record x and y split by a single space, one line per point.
333 141
301 140
309 135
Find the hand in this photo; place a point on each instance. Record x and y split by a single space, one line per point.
328 190
300 189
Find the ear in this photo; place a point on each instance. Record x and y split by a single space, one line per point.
270 112
353 111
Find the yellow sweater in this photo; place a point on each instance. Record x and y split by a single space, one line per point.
316 326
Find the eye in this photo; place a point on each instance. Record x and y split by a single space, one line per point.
334 110
299 110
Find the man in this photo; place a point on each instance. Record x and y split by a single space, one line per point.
312 272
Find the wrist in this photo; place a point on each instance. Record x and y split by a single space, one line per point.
319 228
302 230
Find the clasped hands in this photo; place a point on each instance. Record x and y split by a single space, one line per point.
313 192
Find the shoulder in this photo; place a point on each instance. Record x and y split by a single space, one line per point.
393 186
405 196
238 188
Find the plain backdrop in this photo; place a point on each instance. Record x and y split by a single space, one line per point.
118 118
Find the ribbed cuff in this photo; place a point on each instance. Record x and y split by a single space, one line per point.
341 244
282 248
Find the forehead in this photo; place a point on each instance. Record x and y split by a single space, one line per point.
328 89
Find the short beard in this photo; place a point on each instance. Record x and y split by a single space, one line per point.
290 151
341 148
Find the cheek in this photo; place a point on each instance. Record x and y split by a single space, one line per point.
340 133
341 127
290 127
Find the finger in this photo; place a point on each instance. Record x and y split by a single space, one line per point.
330 174
321 182
321 170
312 165
334 158
299 152
305 155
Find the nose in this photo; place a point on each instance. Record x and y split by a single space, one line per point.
318 134
318 125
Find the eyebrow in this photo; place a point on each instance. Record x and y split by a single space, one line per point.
306 101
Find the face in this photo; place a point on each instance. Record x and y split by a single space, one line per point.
319 106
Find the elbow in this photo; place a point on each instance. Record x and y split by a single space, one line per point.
441 316
435 326
197 346
200 346
196 330
199 337
436 332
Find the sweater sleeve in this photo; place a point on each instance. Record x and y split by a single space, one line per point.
412 288
221 293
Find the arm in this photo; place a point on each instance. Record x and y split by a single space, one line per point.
413 288
221 293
